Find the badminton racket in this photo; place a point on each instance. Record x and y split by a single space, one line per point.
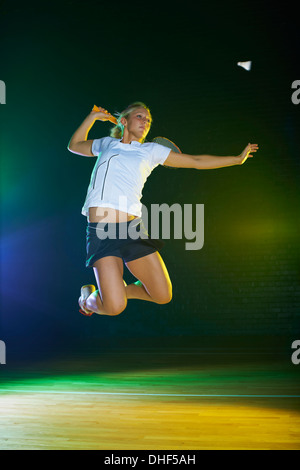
166 143
169 144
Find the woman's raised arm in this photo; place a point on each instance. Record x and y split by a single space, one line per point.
79 143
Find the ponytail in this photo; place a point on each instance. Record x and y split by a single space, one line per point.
117 131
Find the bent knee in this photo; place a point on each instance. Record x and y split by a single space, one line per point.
164 298
115 308
115 311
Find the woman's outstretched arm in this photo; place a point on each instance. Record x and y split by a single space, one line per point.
79 143
208 162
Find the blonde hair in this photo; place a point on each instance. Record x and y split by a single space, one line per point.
118 130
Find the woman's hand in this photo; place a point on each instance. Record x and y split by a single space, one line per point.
102 114
246 153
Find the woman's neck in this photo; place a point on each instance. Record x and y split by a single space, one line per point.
128 138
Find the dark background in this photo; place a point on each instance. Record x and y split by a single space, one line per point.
57 61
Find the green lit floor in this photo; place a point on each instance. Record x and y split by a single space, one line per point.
152 400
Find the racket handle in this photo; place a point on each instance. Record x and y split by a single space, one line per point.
112 119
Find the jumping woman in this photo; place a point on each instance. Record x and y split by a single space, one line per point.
124 162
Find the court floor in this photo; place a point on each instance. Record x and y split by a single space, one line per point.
152 400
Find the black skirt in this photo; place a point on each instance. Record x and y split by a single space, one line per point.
127 240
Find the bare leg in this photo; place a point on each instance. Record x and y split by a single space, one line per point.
133 291
94 303
110 298
154 282
154 287
138 291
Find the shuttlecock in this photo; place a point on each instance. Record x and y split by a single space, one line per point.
246 65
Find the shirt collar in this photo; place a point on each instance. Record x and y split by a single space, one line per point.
133 143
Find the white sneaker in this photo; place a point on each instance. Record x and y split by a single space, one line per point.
86 291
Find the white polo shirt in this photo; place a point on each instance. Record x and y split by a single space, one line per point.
120 173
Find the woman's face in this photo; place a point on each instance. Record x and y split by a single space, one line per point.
138 123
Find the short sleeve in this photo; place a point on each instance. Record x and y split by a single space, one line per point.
160 154
97 146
